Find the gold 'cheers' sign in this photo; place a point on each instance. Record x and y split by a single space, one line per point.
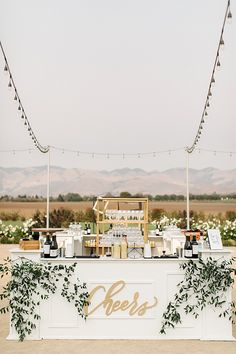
133 307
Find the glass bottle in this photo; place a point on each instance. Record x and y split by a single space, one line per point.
54 247
188 250
194 244
46 247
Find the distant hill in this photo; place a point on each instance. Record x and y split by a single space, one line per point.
32 180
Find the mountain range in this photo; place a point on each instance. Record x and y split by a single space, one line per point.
32 181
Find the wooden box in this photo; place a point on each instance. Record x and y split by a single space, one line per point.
29 245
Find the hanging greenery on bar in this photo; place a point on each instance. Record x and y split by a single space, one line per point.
205 283
32 282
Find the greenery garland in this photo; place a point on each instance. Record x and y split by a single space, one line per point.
205 283
31 282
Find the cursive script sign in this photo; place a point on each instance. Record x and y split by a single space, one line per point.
110 305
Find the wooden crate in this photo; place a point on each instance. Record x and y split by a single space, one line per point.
29 245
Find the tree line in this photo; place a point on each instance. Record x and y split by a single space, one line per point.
76 197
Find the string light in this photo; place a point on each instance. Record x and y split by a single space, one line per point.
115 155
228 15
123 155
11 83
44 149
219 152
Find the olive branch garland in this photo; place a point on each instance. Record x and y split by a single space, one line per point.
31 282
205 283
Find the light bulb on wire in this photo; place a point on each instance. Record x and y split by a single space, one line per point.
222 43
229 17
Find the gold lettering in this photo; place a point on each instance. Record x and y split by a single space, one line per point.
108 302
91 294
111 305
124 305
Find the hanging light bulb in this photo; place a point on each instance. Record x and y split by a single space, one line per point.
229 17
206 113
208 104
25 122
5 67
218 64
19 107
15 97
222 43
209 93
22 116
213 80
202 120
10 84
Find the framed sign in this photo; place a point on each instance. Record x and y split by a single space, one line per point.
215 239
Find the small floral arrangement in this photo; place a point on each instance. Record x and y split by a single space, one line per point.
228 230
12 234
204 226
165 222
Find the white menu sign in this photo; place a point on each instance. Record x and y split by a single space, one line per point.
215 239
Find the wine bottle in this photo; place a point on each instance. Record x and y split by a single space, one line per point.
46 247
188 250
54 247
194 244
85 229
88 230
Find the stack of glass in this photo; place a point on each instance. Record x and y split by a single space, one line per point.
120 215
133 235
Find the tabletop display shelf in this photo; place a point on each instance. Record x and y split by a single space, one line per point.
121 211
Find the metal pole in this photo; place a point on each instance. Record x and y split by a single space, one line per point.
48 188
187 191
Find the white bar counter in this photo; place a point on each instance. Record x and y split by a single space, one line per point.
149 283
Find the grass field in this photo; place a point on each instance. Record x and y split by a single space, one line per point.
27 209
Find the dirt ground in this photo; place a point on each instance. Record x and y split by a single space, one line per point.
107 346
27 209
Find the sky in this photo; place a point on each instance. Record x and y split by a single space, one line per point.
127 76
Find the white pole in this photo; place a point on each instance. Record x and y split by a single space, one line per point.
48 189
187 192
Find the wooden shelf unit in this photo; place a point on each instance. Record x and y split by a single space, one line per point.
103 204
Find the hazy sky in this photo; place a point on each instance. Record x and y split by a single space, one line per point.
117 76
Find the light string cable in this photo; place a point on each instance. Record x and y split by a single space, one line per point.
119 155
228 16
11 83
78 153
215 152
